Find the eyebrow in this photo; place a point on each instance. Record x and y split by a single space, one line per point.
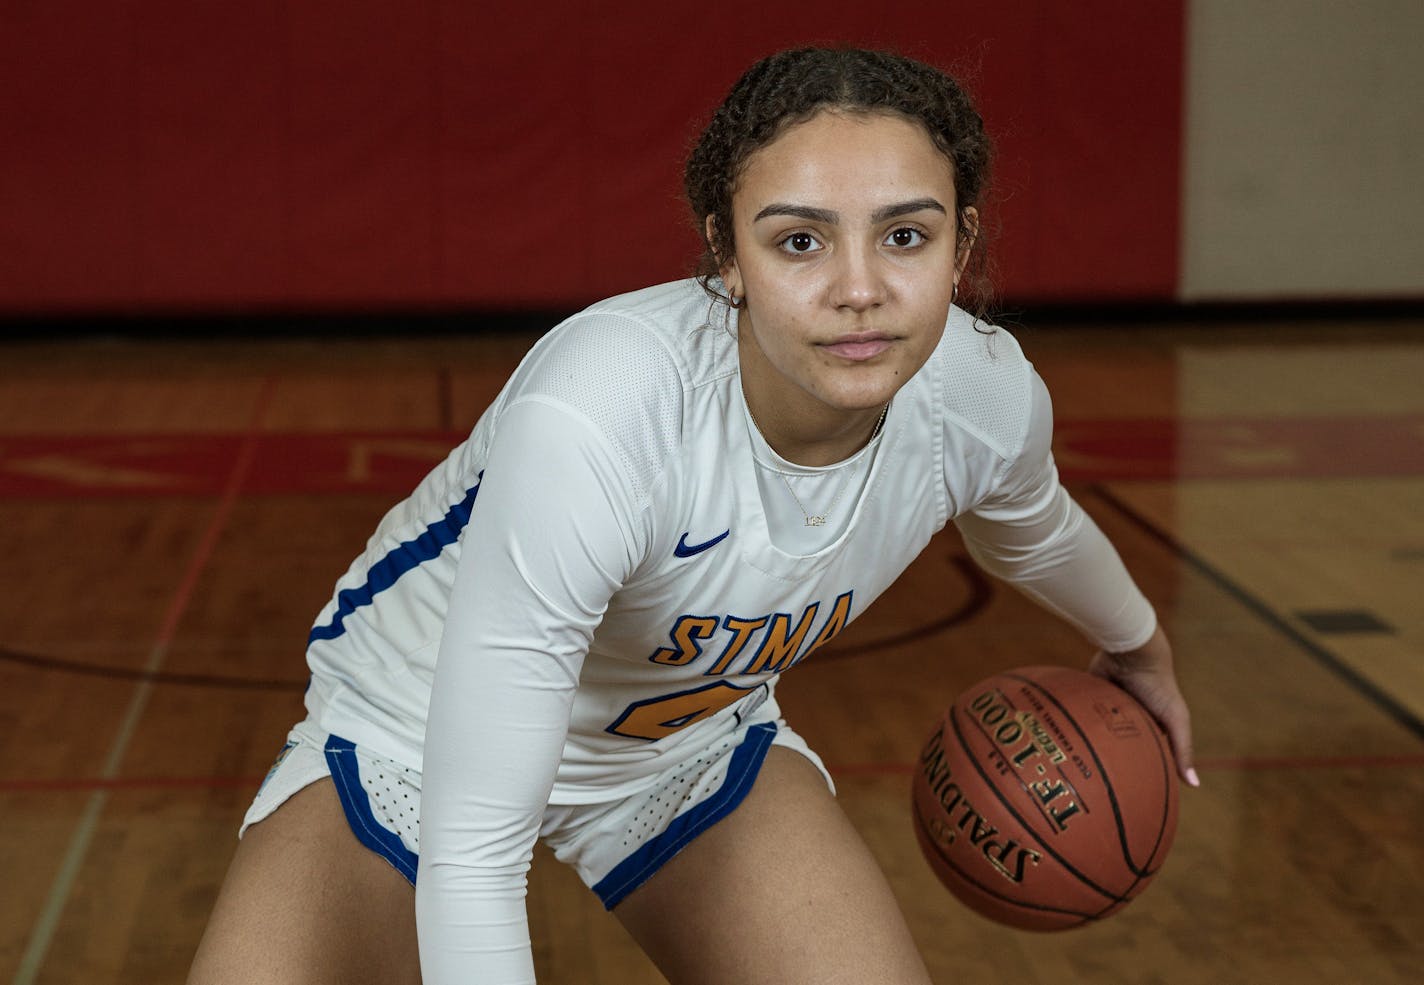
812 214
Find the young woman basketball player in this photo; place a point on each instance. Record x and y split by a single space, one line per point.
573 627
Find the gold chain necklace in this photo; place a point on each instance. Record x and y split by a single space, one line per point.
819 519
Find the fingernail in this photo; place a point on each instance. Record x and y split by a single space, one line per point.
1192 778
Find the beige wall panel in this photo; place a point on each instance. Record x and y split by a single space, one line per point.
1304 150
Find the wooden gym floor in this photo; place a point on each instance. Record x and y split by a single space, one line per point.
173 514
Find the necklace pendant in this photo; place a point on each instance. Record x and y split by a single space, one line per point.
815 521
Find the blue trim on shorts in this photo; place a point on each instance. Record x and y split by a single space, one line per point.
742 771
345 771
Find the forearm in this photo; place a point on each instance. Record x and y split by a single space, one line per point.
485 937
1063 562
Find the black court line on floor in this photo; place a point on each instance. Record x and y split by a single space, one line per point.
980 590
1340 622
46 662
1266 614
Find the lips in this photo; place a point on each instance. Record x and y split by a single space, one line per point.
859 347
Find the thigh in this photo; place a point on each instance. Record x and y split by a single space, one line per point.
305 902
783 890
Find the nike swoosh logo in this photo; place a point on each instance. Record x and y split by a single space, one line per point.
684 549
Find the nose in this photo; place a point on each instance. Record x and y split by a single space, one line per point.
857 283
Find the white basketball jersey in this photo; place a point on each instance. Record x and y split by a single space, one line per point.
628 540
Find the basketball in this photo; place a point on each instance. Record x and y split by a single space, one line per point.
1045 798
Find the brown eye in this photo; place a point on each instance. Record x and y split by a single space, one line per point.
905 237
800 243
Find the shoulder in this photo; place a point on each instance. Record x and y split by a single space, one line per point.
674 302
624 365
644 339
985 383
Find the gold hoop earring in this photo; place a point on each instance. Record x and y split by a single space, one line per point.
733 301
954 293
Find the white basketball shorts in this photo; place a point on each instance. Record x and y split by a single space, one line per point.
614 846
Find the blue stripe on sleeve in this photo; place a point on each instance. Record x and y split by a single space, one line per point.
405 557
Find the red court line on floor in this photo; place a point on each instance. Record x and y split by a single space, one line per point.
393 462
237 473
128 783
199 465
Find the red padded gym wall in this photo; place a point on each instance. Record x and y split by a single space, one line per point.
172 155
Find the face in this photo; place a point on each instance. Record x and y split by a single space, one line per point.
846 256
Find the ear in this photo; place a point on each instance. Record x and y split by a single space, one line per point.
726 269
968 232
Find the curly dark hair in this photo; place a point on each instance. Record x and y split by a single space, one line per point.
790 87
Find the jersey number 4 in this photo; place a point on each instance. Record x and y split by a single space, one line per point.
657 718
